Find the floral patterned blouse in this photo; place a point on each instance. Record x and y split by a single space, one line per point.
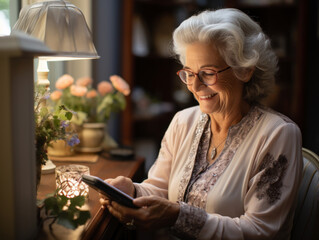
237 195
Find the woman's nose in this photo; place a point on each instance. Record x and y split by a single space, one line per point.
197 83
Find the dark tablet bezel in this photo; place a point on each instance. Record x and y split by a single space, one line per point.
108 190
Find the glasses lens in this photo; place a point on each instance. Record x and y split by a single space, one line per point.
186 76
207 76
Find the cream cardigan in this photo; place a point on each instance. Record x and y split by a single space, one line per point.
253 197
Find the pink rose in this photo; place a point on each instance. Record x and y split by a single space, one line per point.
64 81
84 81
78 91
91 94
104 87
120 84
56 95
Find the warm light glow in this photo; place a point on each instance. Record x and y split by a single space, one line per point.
56 58
68 180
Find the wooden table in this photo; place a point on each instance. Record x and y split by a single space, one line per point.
102 224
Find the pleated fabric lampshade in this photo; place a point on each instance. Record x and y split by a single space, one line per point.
61 26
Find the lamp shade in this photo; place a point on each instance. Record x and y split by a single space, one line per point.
61 26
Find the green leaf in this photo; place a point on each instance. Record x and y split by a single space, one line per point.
68 115
78 201
44 111
83 217
51 206
50 202
67 221
62 201
56 121
62 115
79 118
106 102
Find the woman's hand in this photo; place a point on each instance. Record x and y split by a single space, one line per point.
123 183
154 212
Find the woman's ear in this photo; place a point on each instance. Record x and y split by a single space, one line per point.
247 74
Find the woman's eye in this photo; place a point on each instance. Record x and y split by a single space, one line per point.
208 73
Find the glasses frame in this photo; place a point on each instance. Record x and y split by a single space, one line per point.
198 76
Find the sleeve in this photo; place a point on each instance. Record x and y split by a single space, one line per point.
158 175
269 199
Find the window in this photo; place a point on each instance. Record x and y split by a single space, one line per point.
4 18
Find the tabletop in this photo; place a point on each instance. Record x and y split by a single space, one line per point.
104 167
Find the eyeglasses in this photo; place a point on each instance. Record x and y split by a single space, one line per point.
207 76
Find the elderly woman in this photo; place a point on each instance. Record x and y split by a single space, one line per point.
229 168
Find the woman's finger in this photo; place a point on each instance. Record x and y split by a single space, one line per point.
145 201
109 180
104 201
118 213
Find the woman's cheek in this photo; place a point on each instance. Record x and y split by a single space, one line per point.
191 90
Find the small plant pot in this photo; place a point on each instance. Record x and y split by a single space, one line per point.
60 148
91 137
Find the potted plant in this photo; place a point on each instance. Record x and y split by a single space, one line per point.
93 107
50 126
67 212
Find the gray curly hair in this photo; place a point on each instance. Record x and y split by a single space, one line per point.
240 42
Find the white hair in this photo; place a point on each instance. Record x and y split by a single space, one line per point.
240 42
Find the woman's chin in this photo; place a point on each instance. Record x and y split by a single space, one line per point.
207 109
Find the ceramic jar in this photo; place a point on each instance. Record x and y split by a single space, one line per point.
91 137
60 148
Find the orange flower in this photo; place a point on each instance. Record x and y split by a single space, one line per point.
84 81
64 81
104 87
120 84
91 94
56 95
78 91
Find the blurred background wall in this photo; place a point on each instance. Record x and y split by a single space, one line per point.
133 38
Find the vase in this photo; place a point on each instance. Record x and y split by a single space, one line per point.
91 137
60 148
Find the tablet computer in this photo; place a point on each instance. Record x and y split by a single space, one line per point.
108 190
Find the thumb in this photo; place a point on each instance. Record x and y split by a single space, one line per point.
109 180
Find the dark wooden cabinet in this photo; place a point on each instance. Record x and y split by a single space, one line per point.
284 22
157 92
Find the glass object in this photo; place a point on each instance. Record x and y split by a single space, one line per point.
207 76
68 180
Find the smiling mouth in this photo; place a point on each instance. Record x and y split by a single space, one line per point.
207 97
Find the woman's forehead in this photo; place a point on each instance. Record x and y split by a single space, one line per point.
203 54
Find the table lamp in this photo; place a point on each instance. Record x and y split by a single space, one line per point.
62 27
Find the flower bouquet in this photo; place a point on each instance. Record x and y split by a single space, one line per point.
90 105
50 126
93 107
